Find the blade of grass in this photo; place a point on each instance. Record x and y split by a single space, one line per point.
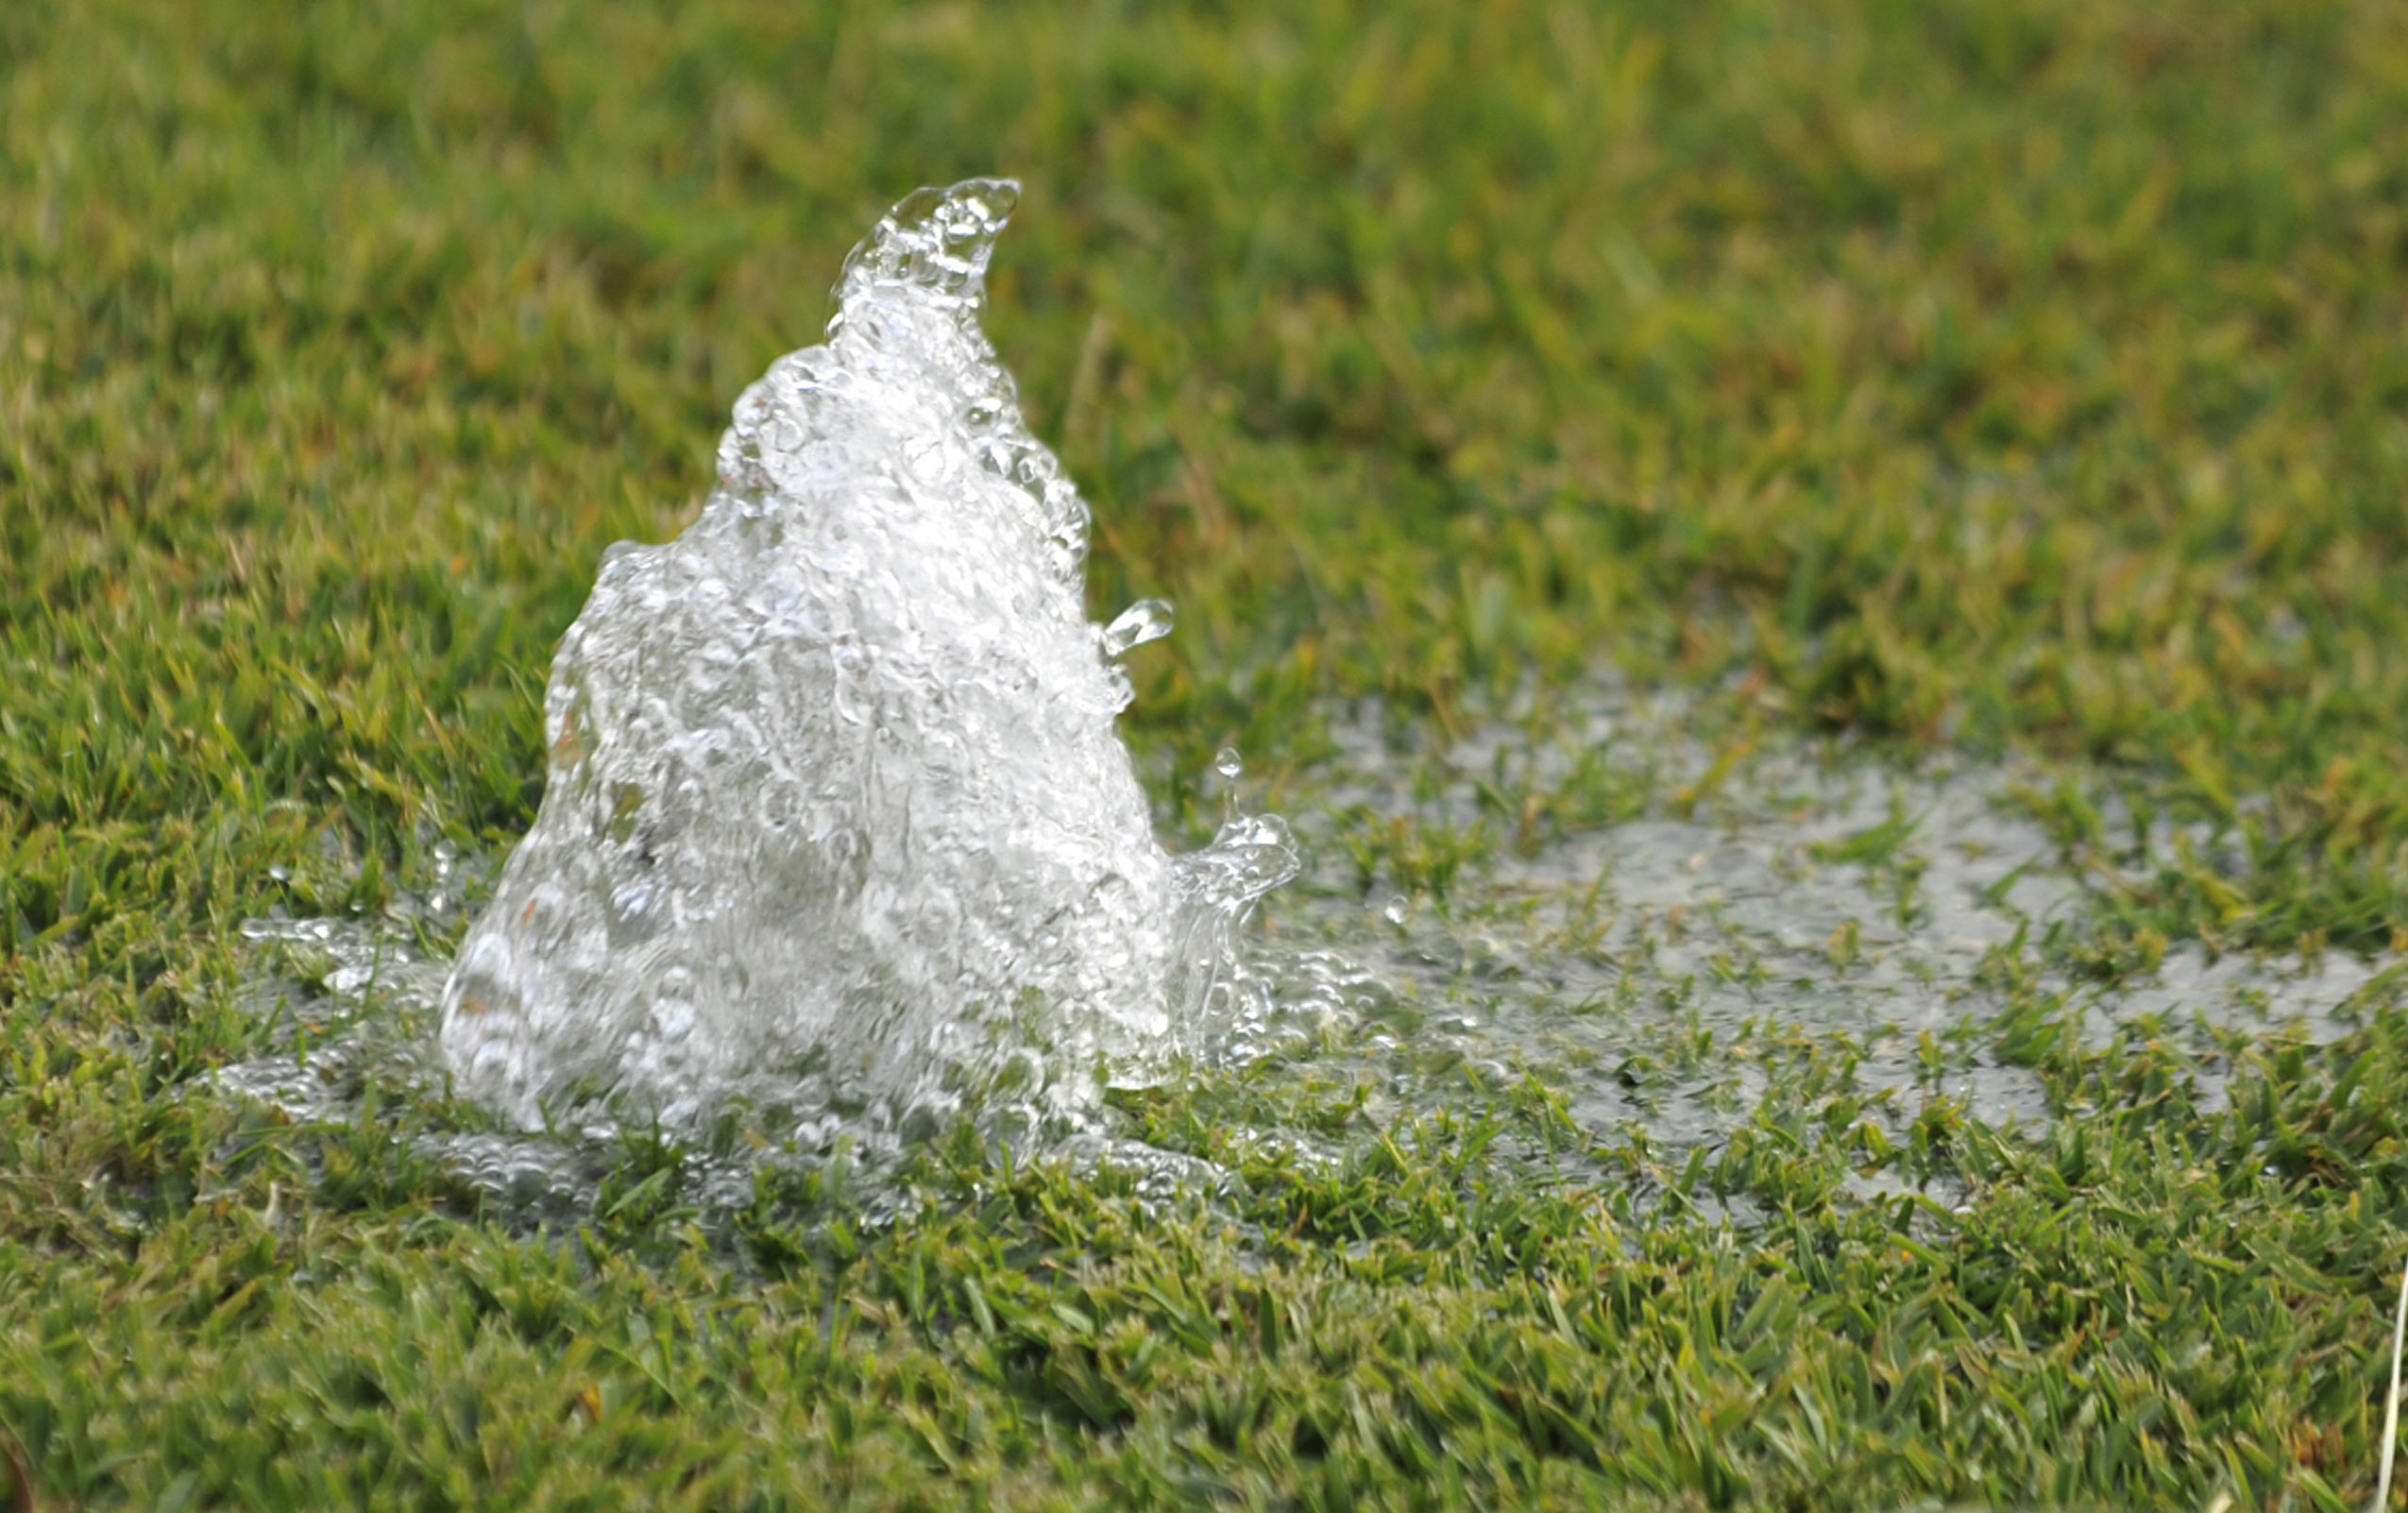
2391 1401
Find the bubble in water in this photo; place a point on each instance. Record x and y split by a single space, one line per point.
1148 619
836 820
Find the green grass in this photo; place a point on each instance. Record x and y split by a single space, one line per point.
2018 375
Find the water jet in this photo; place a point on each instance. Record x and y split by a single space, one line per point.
836 821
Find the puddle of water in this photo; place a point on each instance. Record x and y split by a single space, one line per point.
1809 930
1790 924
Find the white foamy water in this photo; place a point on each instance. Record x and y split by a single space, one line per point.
838 822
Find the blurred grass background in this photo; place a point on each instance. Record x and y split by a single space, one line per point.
1982 373
2024 374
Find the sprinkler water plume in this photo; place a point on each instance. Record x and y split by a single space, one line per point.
838 823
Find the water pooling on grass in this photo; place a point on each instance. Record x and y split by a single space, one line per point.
1762 936
1731 944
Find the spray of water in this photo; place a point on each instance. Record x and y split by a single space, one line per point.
837 822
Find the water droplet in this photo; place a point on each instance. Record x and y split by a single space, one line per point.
1228 763
1397 908
1148 619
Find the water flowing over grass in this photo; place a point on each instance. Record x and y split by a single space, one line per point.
1885 382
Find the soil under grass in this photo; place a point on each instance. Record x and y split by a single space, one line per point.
1911 384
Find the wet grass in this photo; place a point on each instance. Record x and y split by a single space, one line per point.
2023 377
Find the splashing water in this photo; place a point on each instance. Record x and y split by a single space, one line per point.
836 820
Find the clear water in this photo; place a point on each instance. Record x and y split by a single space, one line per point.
1811 925
838 823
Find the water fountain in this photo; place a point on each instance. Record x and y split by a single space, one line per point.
836 820
839 835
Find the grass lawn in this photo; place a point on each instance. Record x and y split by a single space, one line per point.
1890 380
